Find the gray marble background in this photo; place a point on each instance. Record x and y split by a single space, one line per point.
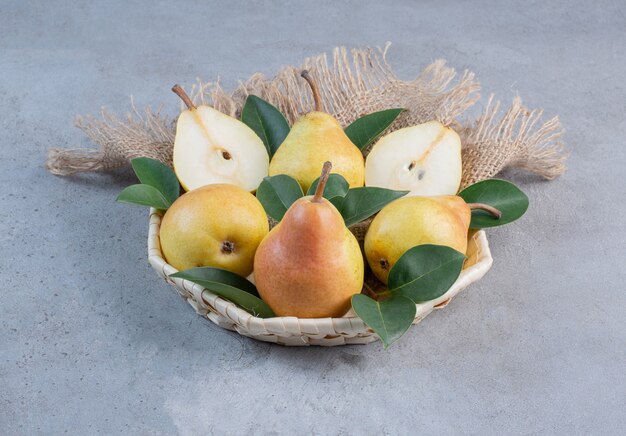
91 341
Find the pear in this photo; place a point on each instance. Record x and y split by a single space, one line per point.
310 264
315 138
411 221
424 160
211 147
216 225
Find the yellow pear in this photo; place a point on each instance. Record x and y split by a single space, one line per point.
423 159
310 264
411 221
216 225
212 147
315 138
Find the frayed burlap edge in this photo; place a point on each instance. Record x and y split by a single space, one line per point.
120 139
517 139
353 83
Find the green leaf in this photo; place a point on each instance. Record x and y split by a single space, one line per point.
143 195
367 128
425 272
158 175
361 203
277 193
229 286
502 195
267 122
336 186
337 202
389 318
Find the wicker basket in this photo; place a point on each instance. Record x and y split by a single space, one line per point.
295 331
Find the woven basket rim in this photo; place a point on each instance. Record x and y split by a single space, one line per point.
348 322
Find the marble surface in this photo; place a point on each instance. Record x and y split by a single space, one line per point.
93 342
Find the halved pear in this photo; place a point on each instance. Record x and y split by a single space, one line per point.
211 147
423 159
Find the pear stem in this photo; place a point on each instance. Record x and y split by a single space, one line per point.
316 92
179 91
492 210
319 192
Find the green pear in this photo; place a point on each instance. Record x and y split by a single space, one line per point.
310 264
315 138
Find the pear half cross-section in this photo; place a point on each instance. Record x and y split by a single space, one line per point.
423 159
211 147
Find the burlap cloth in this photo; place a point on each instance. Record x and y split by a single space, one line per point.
352 83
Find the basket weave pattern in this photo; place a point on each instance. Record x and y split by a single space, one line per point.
294 331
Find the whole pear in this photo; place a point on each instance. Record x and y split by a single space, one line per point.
310 264
217 225
315 138
411 221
